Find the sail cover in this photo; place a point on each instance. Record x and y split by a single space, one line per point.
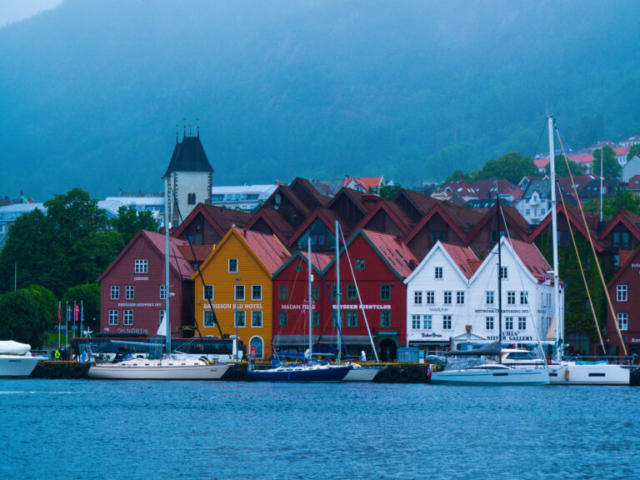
9 347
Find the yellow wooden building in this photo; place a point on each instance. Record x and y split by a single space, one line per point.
238 285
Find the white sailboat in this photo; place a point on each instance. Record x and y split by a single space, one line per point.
16 360
173 366
564 372
482 372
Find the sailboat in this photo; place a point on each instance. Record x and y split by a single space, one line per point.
308 370
479 371
563 372
173 366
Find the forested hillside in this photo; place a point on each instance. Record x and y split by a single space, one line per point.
92 91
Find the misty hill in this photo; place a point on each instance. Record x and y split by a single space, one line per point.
92 91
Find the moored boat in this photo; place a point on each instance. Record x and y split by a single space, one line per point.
162 369
16 360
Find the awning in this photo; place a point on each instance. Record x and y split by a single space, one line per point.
289 340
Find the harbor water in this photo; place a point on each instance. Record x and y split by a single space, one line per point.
66 429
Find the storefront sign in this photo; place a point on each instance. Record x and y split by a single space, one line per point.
430 335
512 337
140 305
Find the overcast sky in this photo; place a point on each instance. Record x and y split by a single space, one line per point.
16 10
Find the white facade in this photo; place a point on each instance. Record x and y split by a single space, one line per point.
190 189
534 208
466 310
435 290
242 197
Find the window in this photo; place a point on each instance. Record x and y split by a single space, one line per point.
239 292
141 266
431 298
625 240
623 321
233 265
240 319
208 292
256 292
191 199
543 211
385 293
283 293
447 298
508 323
352 292
315 319
616 239
522 323
446 322
415 322
283 319
163 292
435 236
427 322
209 319
315 292
459 298
161 317
490 298
621 293
385 319
256 319
115 292
352 318
524 298
360 263
417 298
129 292
438 273
113 317
511 298
527 212
127 317
489 323
334 292
298 268
504 273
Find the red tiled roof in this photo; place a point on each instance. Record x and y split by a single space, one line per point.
625 256
267 248
487 188
621 150
584 158
464 258
395 252
423 203
364 182
201 251
226 217
541 162
308 186
176 258
318 260
532 259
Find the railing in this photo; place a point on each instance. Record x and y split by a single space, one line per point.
612 359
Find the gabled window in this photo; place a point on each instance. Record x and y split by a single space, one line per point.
141 266
621 293
233 265
360 263
504 273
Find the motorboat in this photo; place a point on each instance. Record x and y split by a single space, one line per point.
299 372
483 373
16 360
589 373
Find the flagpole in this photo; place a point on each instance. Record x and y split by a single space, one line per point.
81 317
66 332
75 318
59 324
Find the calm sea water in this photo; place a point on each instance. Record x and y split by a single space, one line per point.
65 429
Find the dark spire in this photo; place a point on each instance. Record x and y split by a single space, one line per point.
189 156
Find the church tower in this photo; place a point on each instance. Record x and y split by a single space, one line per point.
190 178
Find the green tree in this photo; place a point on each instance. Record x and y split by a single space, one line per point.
633 151
130 221
89 296
614 203
611 165
561 167
389 191
27 314
511 166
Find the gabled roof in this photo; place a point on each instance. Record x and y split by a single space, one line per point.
328 187
265 249
459 188
366 183
511 216
201 252
462 258
319 261
487 189
188 156
326 216
220 218
573 215
422 203
355 197
634 182
177 262
278 225
310 189
461 220
630 257
628 219
394 212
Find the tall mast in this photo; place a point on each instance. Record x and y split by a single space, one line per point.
601 178
310 301
338 323
499 274
167 226
554 241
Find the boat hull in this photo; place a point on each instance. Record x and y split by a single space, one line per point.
299 374
364 374
157 372
574 374
531 377
17 366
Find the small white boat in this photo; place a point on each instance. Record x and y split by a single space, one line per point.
16 360
589 373
164 369
491 374
358 373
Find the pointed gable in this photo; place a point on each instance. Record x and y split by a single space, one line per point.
387 217
189 156
570 214
271 252
532 259
626 218
207 224
395 253
308 194
464 258
350 206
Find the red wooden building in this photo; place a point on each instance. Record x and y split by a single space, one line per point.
133 286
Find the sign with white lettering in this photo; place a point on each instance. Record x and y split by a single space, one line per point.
512 337
129 304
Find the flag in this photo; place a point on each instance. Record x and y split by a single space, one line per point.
68 312
59 312
76 312
430 370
